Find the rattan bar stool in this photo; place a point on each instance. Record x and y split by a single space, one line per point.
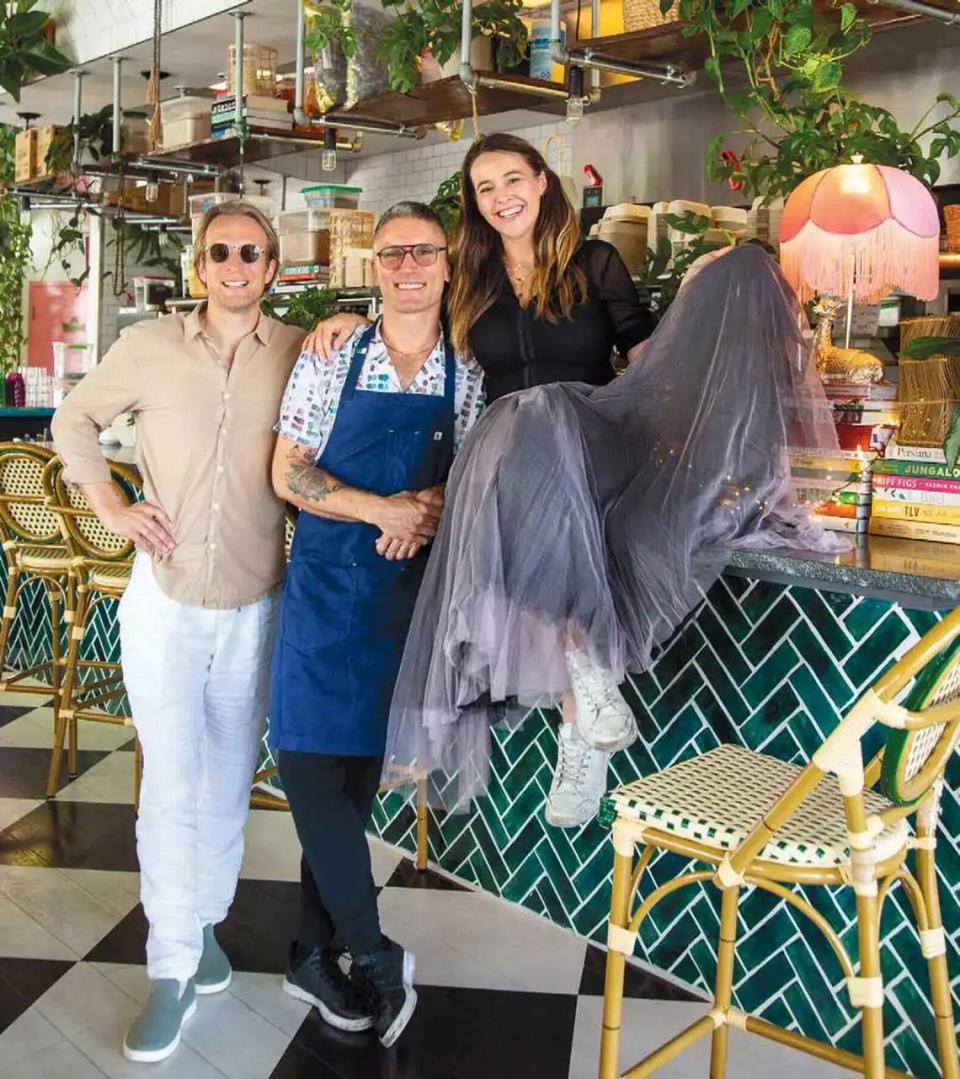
35 551
264 775
102 563
758 822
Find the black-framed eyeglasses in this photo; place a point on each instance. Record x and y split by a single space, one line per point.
220 252
391 258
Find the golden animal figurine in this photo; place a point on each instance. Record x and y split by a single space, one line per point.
834 362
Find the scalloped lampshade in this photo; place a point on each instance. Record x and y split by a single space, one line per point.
871 228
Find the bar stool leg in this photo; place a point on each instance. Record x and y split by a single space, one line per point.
9 614
63 705
723 992
422 849
868 934
937 967
616 961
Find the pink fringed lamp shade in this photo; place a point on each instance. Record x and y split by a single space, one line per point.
876 223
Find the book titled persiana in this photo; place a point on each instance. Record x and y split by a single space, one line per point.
923 530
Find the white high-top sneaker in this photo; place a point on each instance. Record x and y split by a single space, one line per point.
604 718
579 780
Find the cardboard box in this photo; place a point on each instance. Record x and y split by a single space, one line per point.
25 155
45 136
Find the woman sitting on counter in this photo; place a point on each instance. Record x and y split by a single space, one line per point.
536 304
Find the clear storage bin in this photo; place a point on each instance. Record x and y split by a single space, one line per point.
320 196
187 107
305 247
186 131
289 221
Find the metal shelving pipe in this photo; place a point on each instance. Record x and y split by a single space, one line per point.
78 74
671 74
117 107
353 145
175 167
927 10
495 83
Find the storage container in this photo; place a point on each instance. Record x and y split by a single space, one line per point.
185 107
332 195
186 131
25 155
312 220
304 247
259 69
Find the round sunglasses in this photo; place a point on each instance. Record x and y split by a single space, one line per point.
391 258
220 252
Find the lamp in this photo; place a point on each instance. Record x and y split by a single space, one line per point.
859 231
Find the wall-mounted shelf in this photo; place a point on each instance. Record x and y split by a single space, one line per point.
451 99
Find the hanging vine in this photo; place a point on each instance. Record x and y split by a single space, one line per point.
15 261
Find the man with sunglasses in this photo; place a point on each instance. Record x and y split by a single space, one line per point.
365 444
197 619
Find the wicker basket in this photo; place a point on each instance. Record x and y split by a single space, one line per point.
928 326
646 14
929 395
951 215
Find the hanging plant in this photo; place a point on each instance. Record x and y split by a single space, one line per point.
15 235
327 24
435 25
25 51
304 309
798 116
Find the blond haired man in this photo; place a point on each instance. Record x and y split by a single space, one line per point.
197 620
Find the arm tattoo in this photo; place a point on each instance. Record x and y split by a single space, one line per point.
308 481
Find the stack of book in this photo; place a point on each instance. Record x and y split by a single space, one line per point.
867 415
915 495
835 486
259 111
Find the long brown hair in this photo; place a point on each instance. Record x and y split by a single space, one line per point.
557 283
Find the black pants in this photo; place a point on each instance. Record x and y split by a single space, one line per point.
330 798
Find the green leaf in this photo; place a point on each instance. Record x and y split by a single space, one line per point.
848 16
951 444
665 6
27 23
712 68
798 38
827 76
922 348
949 99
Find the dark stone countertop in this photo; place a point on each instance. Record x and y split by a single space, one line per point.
917 574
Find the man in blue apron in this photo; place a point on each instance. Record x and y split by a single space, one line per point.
365 444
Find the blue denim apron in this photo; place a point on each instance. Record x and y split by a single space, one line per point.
345 610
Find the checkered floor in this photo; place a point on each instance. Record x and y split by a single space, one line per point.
502 992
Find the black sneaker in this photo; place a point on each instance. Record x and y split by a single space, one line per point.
317 978
385 978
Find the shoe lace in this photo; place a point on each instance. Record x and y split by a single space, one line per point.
598 689
572 761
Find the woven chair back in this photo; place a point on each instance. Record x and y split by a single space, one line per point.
83 530
24 514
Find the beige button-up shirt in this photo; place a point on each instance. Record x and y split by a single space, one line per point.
204 447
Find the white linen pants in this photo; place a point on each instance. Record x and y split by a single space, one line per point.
198 683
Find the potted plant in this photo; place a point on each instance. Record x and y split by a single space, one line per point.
798 116
25 50
15 237
304 309
432 27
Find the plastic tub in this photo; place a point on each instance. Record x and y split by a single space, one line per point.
186 131
184 108
289 221
340 196
304 247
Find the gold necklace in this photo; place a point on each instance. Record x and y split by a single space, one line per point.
401 352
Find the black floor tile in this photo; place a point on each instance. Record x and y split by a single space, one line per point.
10 712
72 835
637 983
255 936
406 875
23 772
23 982
454 1034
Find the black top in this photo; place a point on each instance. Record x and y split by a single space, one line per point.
517 350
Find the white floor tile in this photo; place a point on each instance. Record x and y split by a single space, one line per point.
12 809
21 936
263 993
15 699
384 860
33 730
234 1038
114 889
57 1062
271 849
109 780
103 1046
60 904
530 952
649 1023
129 978
27 1036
